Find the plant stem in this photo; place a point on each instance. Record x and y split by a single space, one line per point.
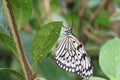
15 34
81 12
92 20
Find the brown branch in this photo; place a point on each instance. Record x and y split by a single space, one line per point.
91 21
12 24
116 27
110 8
82 9
95 38
115 24
81 13
98 11
47 6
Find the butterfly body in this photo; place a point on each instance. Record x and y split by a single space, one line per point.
71 56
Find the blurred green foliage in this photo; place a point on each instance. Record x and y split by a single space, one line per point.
109 59
22 11
31 17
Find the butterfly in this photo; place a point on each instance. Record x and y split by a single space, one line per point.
72 56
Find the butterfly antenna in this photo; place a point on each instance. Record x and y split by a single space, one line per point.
72 22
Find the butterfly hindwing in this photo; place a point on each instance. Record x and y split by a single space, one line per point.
72 57
85 64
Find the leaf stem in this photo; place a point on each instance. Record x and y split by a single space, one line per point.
15 34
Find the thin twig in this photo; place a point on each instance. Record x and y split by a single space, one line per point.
13 27
82 9
115 24
91 21
116 27
95 38
81 13
47 6
110 8
98 11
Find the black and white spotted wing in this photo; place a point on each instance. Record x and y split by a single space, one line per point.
72 57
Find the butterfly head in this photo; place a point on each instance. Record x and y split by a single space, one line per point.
68 31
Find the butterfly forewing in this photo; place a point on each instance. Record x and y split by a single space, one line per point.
71 56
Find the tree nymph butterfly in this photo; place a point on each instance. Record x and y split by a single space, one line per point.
72 56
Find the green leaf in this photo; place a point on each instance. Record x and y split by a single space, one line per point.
110 59
9 43
103 20
44 40
22 10
97 78
12 71
57 72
